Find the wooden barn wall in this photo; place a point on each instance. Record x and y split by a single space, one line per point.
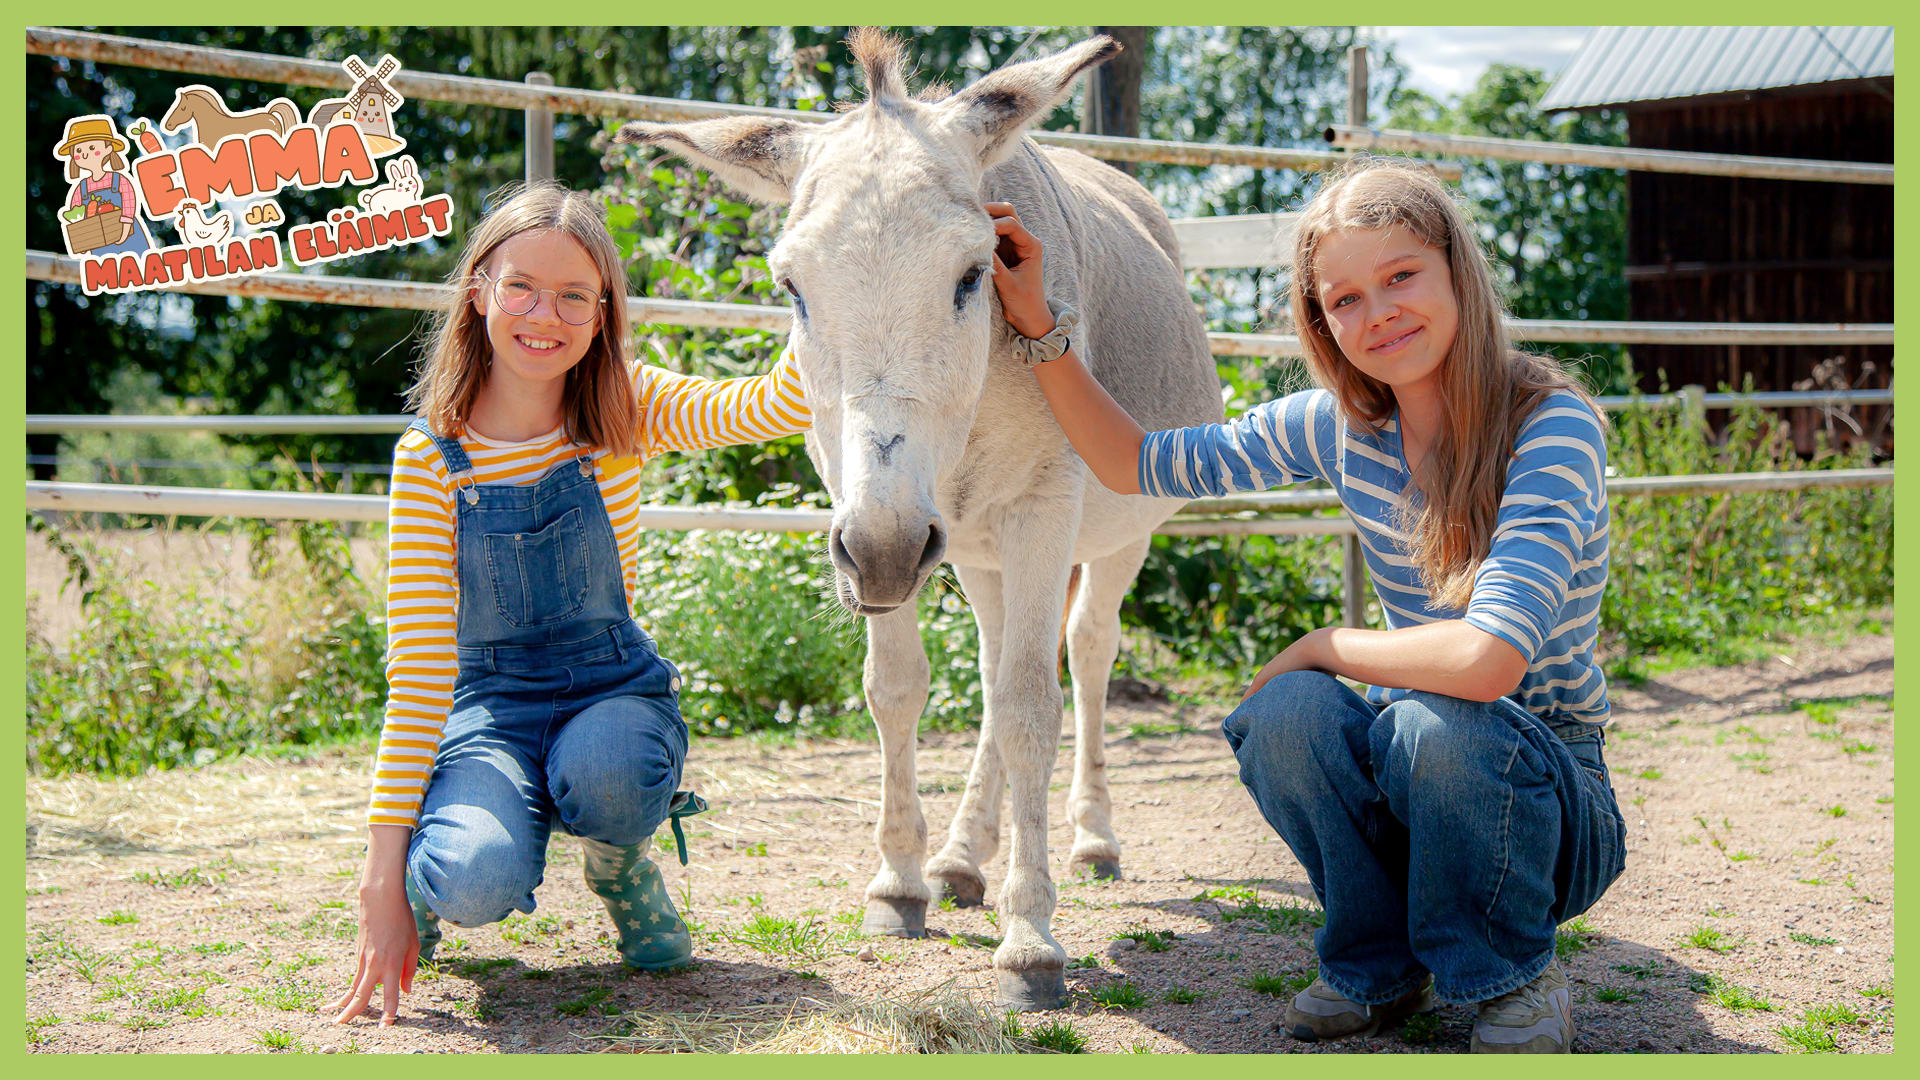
1725 249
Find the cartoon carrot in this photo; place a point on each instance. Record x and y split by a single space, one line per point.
149 142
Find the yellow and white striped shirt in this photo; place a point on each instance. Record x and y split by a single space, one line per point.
677 412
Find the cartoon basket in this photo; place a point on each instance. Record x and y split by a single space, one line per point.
93 232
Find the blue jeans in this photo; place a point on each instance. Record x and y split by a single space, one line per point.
1441 836
522 754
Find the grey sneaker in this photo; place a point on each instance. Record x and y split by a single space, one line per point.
1320 1012
1535 1019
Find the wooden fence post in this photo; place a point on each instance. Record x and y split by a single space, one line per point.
1354 583
539 134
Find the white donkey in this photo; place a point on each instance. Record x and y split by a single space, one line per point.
936 444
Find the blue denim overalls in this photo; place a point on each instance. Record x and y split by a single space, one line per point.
563 713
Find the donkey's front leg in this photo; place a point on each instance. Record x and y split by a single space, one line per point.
1093 643
896 685
975 834
1025 703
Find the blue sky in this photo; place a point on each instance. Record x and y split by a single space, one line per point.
1445 60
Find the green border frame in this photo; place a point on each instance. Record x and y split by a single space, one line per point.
12 448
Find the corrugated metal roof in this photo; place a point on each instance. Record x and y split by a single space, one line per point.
1622 64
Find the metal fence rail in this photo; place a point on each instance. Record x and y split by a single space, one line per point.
422 296
1355 137
393 423
1201 517
500 93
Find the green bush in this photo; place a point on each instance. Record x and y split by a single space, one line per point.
1691 574
763 646
175 677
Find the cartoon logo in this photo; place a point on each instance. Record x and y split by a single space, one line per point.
241 159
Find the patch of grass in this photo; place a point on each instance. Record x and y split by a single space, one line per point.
1120 995
807 941
1616 996
332 921
1058 1037
143 1022
537 974
1184 995
191 877
1882 991
1857 747
287 995
480 969
1649 773
1421 1029
1083 962
1268 918
37 1029
594 999
1573 936
1155 727
757 850
1282 985
1824 713
1646 969
1831 1015
521 930
1150 940
1812 939
217 948
118 918
1707 937
1739 856
278 1039
1835 810
178 998
1808 1038
56 890
1730 996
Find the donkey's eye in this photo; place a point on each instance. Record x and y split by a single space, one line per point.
969 281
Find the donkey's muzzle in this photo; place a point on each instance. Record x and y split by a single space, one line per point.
883 572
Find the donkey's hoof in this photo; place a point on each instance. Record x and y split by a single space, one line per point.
890 917
1031 991
1100 869
967 890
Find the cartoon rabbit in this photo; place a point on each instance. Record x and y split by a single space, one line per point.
402 190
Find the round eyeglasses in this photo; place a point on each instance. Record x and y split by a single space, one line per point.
517 296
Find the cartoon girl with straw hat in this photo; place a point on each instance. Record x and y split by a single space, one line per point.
96 161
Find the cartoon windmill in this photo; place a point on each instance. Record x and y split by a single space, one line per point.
370 106
373 102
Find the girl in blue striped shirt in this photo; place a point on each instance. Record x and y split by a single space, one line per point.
1455 814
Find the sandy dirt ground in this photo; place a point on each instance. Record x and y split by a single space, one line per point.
211 911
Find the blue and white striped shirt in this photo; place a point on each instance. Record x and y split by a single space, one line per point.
1539 588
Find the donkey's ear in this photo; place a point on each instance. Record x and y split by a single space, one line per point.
997 108
757 156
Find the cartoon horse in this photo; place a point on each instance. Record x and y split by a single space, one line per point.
201 107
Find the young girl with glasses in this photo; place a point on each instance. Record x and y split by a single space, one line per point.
1454 815
524 696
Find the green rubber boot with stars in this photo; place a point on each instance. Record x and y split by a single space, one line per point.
425 923
653 937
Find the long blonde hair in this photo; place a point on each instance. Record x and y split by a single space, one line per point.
597 403
1488 387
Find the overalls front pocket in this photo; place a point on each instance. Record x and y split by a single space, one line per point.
539 577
